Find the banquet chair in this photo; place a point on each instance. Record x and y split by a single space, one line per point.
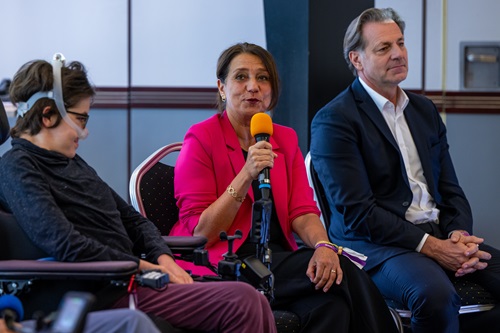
474 297
152 194
151 190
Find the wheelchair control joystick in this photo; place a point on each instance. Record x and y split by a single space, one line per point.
229 267
251 269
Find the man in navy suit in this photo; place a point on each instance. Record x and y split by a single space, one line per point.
382 156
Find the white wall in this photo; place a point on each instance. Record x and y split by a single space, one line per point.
469 22
177 43
173 44
91 31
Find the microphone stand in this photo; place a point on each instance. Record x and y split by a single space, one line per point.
260 231
259 234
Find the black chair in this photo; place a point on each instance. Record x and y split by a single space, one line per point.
152 194
474 297
4 124
151 188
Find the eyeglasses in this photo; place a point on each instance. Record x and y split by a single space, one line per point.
83 118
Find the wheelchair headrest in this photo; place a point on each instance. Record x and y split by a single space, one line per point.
4 124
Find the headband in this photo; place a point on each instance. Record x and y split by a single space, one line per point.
55 94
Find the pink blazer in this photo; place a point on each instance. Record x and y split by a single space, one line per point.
209 160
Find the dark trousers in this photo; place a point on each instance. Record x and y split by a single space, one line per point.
354 306
418 282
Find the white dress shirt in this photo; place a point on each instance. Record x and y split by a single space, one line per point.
423 208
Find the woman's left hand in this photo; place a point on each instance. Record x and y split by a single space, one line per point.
324 268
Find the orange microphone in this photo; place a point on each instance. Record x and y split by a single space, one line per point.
261 127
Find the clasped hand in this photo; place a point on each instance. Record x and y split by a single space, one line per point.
460 253
472 253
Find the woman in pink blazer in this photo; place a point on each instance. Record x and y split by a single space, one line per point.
216 184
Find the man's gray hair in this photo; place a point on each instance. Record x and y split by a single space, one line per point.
353 39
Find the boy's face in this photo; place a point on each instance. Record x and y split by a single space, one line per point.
63 138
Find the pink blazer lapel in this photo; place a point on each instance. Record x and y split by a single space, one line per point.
233 148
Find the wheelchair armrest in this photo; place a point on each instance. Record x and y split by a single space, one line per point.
185 244
55 270
41 284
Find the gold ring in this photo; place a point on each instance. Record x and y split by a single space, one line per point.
333 271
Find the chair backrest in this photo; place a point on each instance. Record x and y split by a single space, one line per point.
14 243
152 189
4 124
319 192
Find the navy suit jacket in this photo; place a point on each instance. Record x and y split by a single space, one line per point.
361 168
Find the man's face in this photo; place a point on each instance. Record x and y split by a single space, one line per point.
383 63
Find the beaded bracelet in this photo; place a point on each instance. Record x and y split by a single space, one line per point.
232 192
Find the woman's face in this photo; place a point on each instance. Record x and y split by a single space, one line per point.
247 88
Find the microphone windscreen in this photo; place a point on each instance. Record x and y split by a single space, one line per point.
261 123
10 302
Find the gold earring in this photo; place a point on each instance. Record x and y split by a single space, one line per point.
223 97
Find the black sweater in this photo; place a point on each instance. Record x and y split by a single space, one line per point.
68 211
